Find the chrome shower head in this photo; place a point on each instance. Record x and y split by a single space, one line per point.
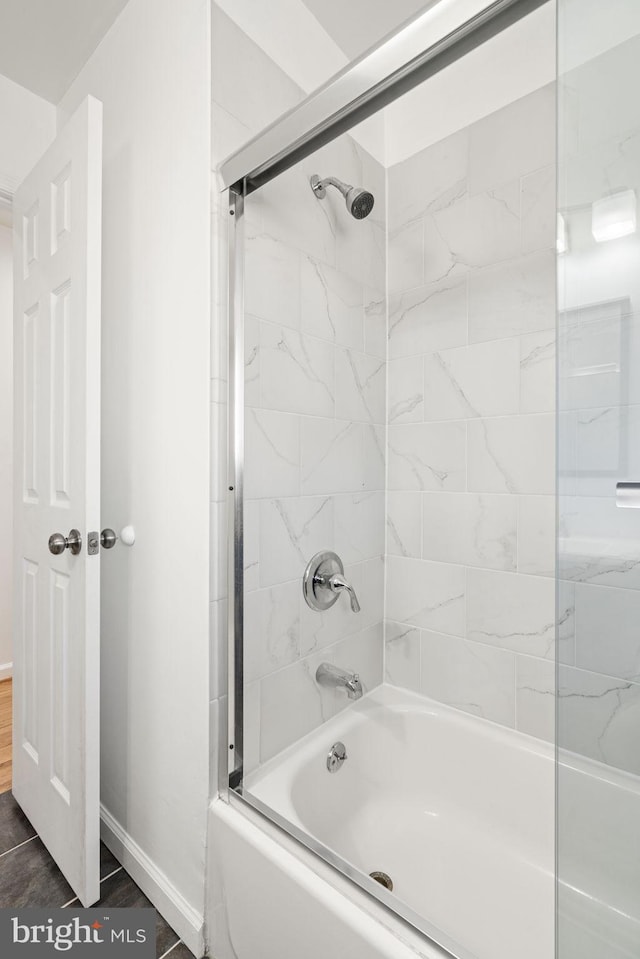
359 201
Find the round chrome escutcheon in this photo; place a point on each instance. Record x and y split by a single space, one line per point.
319 571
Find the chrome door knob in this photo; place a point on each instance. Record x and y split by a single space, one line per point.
58 543
108 538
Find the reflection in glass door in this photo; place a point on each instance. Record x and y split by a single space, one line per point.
598 701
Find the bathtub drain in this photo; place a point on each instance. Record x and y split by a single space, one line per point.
383 879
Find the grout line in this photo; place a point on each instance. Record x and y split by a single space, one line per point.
171 948
20 844
104 879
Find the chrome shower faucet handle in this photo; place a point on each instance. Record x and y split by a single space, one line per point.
324 581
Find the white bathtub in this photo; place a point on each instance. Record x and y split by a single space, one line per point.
460 813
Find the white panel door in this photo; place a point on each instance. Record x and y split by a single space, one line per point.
57 269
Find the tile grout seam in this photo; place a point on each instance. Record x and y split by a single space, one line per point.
171 948
20 844
104 879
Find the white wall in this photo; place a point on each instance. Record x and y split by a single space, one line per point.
152 73
27 125
6 435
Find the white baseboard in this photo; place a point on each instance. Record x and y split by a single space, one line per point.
182 917
6 671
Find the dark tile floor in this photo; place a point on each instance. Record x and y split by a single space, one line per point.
30 877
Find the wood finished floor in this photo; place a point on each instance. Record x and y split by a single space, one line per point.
30 877
5 734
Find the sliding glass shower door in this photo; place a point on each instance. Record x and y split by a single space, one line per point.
598 691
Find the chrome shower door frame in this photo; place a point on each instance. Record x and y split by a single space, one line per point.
335 108
235 514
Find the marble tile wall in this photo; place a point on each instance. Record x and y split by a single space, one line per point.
470 592
315 441
315 418
468 353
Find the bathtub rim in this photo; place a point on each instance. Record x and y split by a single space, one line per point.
386 695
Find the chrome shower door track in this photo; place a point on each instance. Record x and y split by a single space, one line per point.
377 78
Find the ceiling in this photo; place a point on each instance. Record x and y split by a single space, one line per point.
356 25
45 43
